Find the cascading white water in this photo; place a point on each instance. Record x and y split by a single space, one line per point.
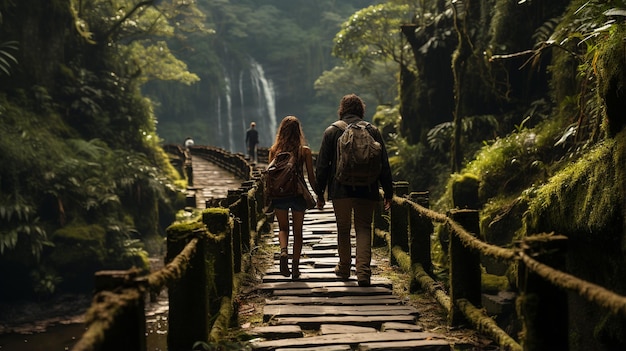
219 117
256 104
229 115
265 92
241 100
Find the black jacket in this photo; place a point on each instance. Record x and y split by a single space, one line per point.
326 161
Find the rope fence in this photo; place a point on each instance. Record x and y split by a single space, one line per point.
463 299
205 257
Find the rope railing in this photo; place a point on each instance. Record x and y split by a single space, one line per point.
590 291
560 280
119 305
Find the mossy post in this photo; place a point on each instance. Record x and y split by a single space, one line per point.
219 256
128 332
543 305
420 230
465 191
188 305
399 226
380 222
190 199
258 193
245 214
465 274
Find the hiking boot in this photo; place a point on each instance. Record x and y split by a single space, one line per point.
364 282
295 270
341 274
284 265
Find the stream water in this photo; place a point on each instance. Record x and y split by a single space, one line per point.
55 333
65 334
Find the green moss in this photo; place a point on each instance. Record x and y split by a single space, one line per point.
81 234
465 190
79 251
500 217
494 283
217 219
182 230
612 78
583 196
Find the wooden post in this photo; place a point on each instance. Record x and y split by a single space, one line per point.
465 274
219 256
254 222
237 245
128 331
188 305
232 196
380 222
543 307
259 197
243 212
399 226
190 200
421 229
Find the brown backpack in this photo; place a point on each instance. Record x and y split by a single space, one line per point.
359 155
281 176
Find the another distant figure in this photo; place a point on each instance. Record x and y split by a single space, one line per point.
188 143
252 139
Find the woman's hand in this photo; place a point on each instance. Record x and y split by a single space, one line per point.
320 203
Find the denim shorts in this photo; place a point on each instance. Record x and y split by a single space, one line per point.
295 203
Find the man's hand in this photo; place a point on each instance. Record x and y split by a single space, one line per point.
387 204
320 203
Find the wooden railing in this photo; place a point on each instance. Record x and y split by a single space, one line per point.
204 260
543 302
205 257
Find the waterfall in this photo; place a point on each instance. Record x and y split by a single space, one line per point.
229 115
219 119
254 101
264 89
241 102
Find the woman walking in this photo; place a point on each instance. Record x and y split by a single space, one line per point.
290 138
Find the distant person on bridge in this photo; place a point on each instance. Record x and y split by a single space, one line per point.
252 140
188 143
352 198
290 138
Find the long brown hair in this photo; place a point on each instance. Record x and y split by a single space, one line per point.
288 138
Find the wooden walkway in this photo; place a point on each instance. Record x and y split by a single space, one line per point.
319 311
210 181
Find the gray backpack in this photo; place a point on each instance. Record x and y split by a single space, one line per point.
359 155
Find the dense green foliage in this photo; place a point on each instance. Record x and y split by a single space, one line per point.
524 97
290 41
84 184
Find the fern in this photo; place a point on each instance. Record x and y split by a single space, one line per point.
6 58
18 222
544 34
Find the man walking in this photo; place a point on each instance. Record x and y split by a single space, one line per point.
252 139
352 200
